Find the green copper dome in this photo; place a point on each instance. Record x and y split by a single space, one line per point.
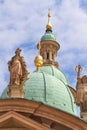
48 36
51 91
55 72
49 86
4 94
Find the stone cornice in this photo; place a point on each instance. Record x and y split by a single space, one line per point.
39 109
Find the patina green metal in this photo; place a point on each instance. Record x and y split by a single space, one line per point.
50 87
48 36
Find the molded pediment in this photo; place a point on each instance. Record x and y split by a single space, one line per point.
12 120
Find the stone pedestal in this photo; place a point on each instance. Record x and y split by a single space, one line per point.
15 91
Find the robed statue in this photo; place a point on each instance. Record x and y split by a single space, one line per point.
81 90
17 68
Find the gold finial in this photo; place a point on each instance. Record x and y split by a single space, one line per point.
49 15
78 70
49 26
38 59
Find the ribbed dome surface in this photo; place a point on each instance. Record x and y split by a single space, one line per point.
55 72
45 88
48 36
50 87
4 93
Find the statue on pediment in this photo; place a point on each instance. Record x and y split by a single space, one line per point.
17 68
81 90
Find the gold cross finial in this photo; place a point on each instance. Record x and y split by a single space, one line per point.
49 15
49 26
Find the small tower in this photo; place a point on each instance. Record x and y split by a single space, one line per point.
49 46
81 92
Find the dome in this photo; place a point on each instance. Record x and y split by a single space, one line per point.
48 36
50 87
49 90
54 72
4 93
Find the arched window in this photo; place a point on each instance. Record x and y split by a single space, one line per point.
52 56
47 55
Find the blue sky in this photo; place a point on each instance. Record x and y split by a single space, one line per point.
22 24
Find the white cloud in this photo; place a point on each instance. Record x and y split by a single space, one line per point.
22 22
72 24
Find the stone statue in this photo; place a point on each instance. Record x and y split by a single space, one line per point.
17 68
81 90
